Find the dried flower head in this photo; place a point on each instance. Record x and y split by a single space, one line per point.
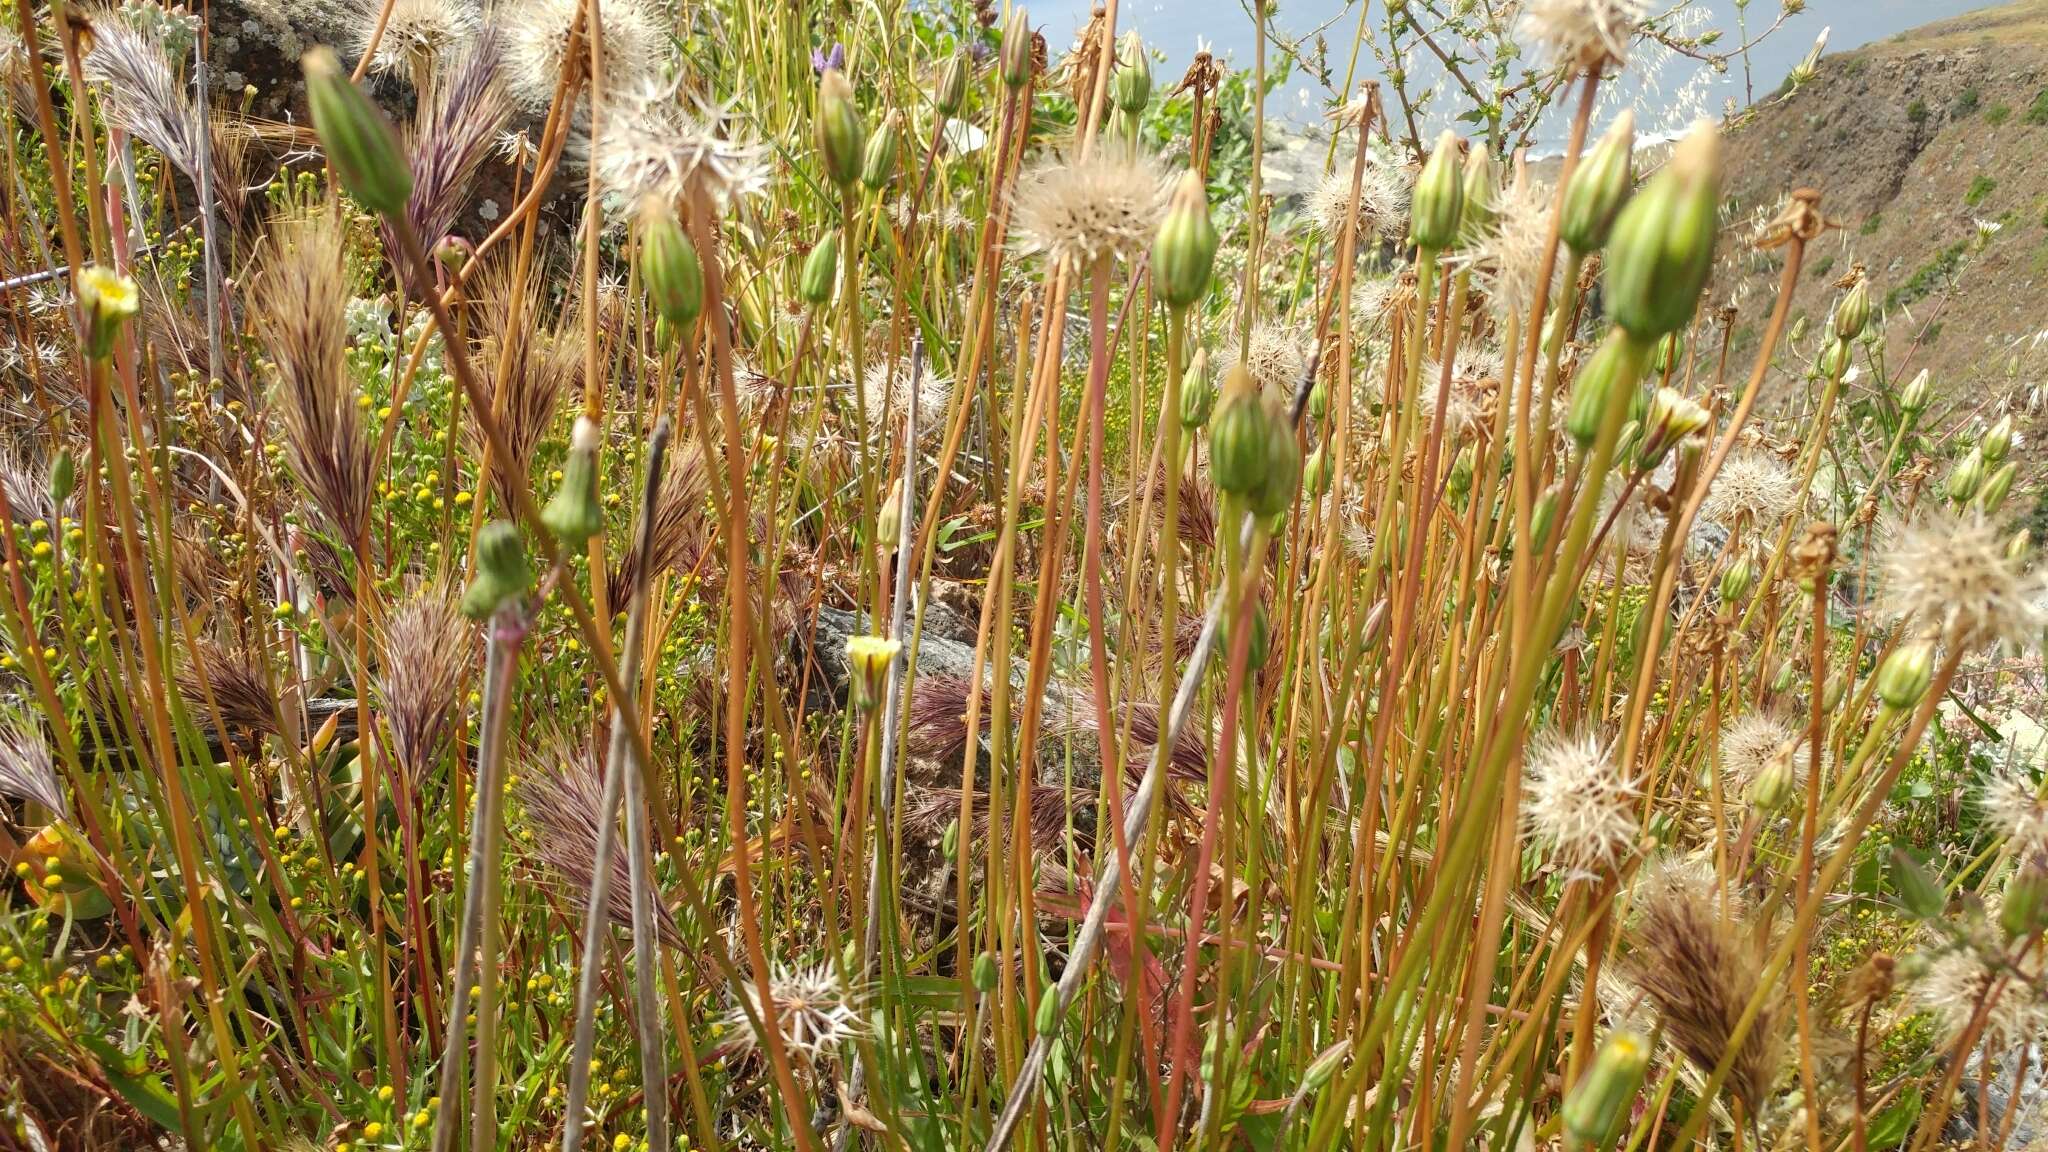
1751 744
1508 257
28 772
1106 205
649 143
885 389
1701 971
636 46
1959 983
812 1010
1950 574
1275 358
1383 191
426 654
1587 34
2012 803
1753 489
1578 803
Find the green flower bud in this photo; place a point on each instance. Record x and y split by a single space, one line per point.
63 477
1239 446
1283 464
1481 187
502 574
984 972
1184 251
2025 911
577 511
360 142
951 90
1598 187
1915 395
1773 784
1670 354
1781 680
1609 377
1315 473
1015 54
878 165
1997 440
1048 1017
1130 88
1833 360
841 134
1998 487
109 300
1598 1104
1462 468
1543 517
1967 477
1835 689
821 271
889 517
2016 548
1197 392
949 840
1852 315
668 265
1798 333
1439 199
1905 674
1738 580
1663 242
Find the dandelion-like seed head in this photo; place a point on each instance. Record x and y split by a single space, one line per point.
1508 258
1753 488
1382 201
536 35
1950 574
812 1010
2011 802
1753 742
1954 990
1588 34
650 144
1578 803
1274 357
1107 205
419 35
885 389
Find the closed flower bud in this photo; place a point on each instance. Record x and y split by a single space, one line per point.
1315 472
1903 677
878 164
1543 517
1915 395
821 271
1439 199
577 511
1239 446
1462 468
501 573
1663 242
669 266
841 135
889 518
1608 378
2016 548
1995 489
109 300
950 92
1738 580
1283 463
1184 251
1781 680
984 972
1015 53
1670 353
2025 911
1318 401
1598 187
1852 315
1599 1103
1480 191
1967 477
1197 392
1772 785
1997 440
360 142
1833 360
1836 688
63 477
1131 86
1048 1017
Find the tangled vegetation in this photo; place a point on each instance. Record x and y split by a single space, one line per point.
601 582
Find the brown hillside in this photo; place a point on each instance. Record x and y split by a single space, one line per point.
1913 141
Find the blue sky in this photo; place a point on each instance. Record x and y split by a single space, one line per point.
1174 26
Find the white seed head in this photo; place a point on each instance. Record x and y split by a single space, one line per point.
1753 742
1587 33
1507 260
2011 802
649 144
1275 358
1753 487
1106 205
1577 803
1951 576
813 1011
1954 989
420 35
536 34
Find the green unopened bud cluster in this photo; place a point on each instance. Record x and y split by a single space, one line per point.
1662 247
669 265
1253 454
502 574
1599 1103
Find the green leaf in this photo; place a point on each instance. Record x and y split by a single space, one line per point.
1921 893
125 1074
1891 1126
